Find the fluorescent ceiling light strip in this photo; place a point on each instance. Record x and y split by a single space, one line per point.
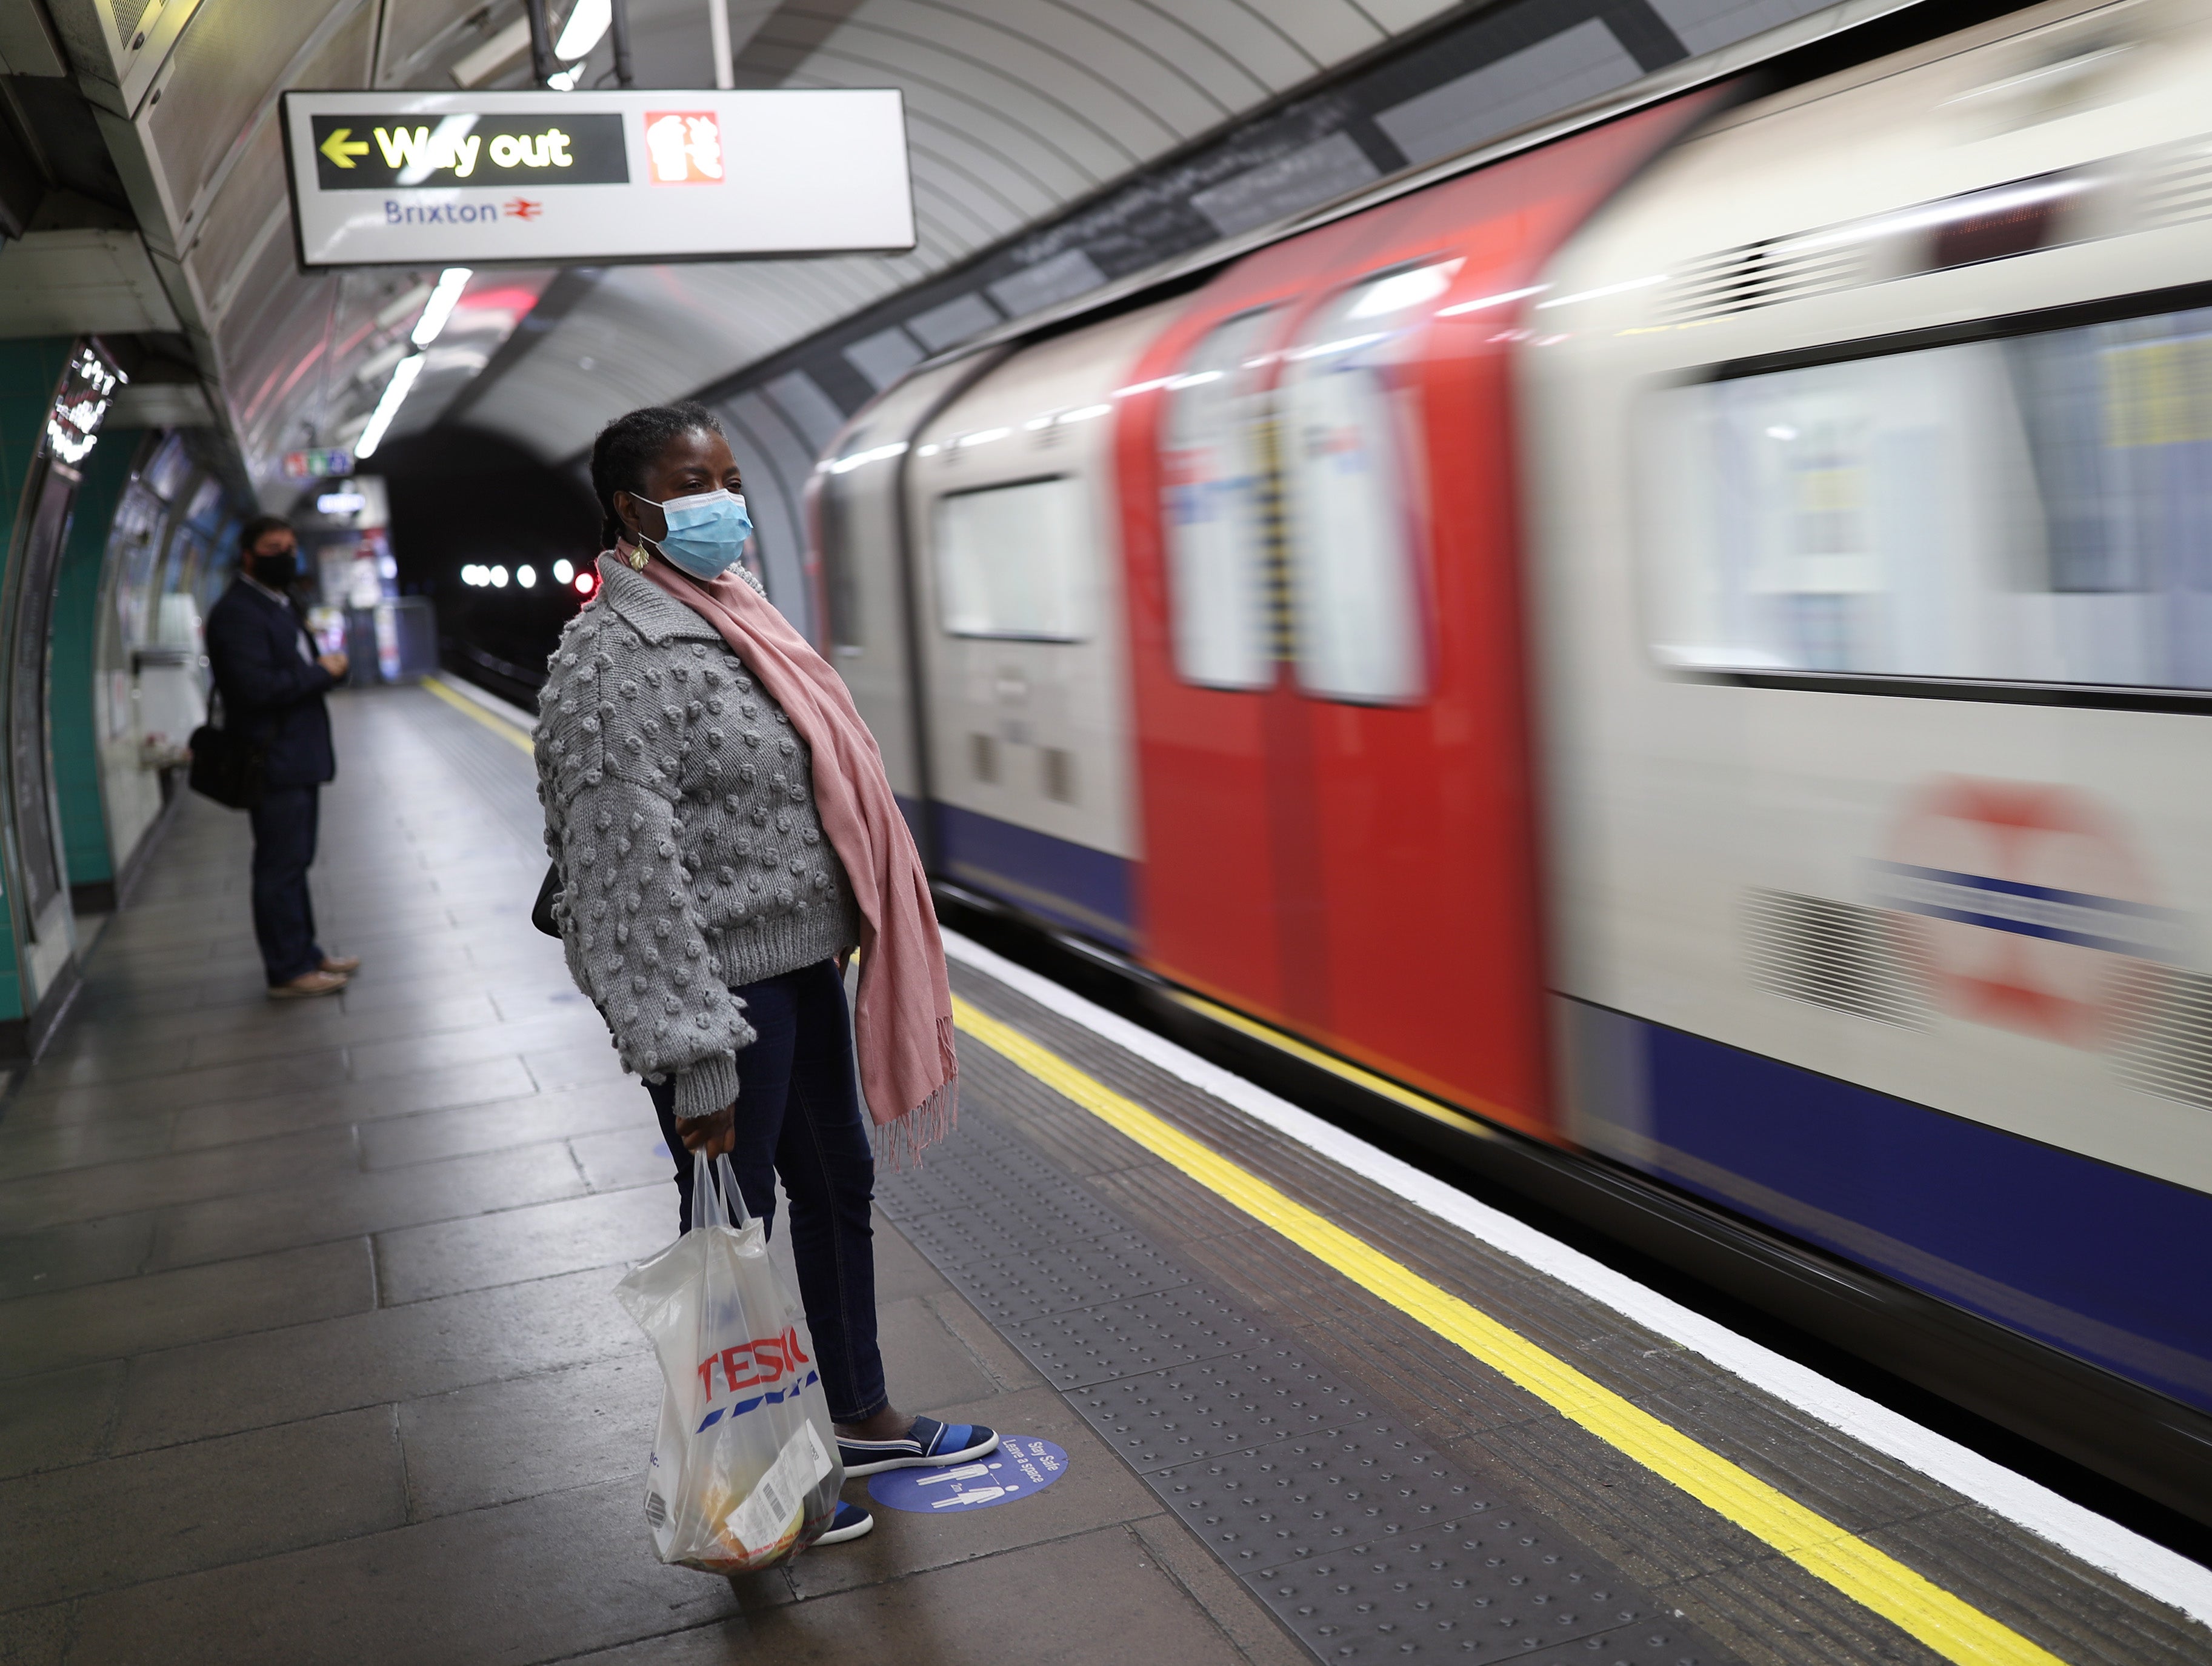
583 30
395 395
439 306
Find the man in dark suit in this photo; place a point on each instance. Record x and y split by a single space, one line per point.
272 683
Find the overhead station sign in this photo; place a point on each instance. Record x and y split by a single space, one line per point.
473 178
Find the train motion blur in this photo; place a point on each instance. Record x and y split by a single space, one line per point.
1687 638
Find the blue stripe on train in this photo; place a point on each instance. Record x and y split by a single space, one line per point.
2101 1261
1071 883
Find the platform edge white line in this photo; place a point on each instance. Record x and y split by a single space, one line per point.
2151 1568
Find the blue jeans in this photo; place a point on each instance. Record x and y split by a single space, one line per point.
283 849
799 1115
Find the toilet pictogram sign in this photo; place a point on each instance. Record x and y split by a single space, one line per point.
1022 1466
2025 904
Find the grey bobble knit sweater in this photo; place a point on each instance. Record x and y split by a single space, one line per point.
680 805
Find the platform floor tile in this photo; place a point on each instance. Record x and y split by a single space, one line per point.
308 1351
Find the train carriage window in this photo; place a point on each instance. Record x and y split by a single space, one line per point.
1012 560
1216 501
2034 508
1353 488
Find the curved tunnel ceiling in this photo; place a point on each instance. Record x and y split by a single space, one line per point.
1018 109
1014 111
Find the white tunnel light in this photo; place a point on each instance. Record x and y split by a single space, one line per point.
499 578
439 306
525 576
583 30
395 395
563 570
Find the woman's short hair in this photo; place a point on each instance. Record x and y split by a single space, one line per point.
626 449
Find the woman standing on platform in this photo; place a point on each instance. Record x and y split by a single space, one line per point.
726 837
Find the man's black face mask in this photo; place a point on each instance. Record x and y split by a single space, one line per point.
278 570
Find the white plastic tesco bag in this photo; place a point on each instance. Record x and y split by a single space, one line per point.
745 1472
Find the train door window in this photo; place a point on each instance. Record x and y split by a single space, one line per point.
1013 561
2031 509
1353 488
1216 501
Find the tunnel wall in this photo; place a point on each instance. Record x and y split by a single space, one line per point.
109 567
71 701
35 966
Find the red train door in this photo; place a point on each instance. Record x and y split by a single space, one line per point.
1326 628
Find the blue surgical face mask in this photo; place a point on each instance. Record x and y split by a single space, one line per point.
707 532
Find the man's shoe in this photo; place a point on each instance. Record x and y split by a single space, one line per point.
345 965
309 984
928 1445
851 1522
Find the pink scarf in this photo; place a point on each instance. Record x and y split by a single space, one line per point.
908 1071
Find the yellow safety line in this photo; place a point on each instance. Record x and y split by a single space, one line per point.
1335 1066
1954 1628
492 720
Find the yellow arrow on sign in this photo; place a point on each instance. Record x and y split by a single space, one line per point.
339 151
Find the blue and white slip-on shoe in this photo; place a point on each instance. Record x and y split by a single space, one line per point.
927 1445
851 1522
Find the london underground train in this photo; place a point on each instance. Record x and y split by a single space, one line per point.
1682 643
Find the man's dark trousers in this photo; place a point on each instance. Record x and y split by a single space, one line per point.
283 847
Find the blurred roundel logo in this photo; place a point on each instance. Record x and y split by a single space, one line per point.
2024 906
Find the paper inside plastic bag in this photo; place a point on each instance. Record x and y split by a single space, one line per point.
768 1510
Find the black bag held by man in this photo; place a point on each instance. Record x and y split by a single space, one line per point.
541 912
226 766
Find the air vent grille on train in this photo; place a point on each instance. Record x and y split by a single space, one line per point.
1831 954
2162 1037
2178 188
1762 274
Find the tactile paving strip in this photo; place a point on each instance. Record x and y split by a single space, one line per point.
1479 1589
1012 1285
1176 1326
1218 1405
1365 1541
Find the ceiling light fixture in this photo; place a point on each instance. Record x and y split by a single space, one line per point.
395 395
439 306
586 25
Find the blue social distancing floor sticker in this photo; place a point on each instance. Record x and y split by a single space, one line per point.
1022 1465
